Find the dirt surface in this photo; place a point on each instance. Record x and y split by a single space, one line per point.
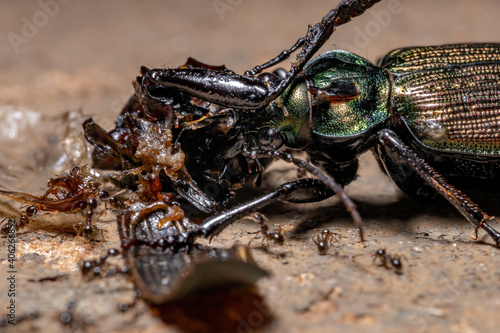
83 56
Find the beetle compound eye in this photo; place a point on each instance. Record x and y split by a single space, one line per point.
270 138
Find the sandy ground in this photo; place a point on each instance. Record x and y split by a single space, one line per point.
83 56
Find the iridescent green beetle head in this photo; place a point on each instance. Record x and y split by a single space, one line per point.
338 98
349 95
290 114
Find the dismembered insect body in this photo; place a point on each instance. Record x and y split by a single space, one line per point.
190 137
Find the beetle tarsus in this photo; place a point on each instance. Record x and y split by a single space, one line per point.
492 232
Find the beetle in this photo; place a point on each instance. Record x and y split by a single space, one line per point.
428 114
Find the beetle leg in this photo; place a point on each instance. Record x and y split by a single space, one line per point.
298 191
285 192
391 146
327 180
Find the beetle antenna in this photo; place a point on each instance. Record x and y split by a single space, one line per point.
315 38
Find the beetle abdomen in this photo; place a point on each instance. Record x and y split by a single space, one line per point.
449 95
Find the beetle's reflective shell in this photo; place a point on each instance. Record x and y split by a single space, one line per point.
349 94
449 95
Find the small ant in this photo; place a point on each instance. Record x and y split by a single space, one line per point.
323 239
94 268
277 237
389 262
71 192
22 222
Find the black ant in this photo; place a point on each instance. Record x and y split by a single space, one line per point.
389 262
277 237
22 222
75 191
323 239
94 268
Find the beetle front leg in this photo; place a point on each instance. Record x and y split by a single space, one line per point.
391 147
298 191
